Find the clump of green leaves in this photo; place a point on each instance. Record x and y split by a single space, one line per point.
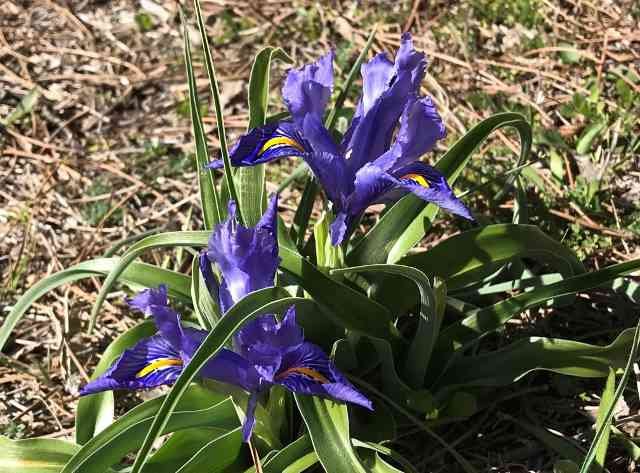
414 328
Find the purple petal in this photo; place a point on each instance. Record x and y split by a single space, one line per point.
263 144
420 128
265 336
383 102
308 370
149 297
370 184
308 89
339 227
231 368
153 302
317 135
247 257
376 76
250 420
207 274
150 363
408 59
430 184
333 175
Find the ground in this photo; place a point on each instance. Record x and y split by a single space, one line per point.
95 147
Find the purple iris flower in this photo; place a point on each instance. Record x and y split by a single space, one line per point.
266 351
377 159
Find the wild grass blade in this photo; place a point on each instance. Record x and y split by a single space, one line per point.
209 198
215 93
603 432
139 274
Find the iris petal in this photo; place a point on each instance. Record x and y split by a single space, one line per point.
430 184
264 144
308 370
154 302
150 363
370 183
265 334
420 128
250 417
307 90
333 175
383 103
231 368
247 257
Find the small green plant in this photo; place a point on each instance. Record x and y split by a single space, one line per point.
100 211
144 21
410 332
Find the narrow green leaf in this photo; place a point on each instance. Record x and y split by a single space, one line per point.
469 257
328 426
404 224
209 198
350 308
603 432
137 275
290 454
605 404
268 300
95 411
37 455
327 255
205 308
251 180
215 93
408 467
491 318
199 408
505 366
180 447
217 456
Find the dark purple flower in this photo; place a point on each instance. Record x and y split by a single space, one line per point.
393 126
266 351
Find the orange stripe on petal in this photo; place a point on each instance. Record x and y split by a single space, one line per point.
417 178
280 141
311 373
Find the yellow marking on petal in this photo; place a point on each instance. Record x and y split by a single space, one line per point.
311 373
279 141
417 178
158 365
